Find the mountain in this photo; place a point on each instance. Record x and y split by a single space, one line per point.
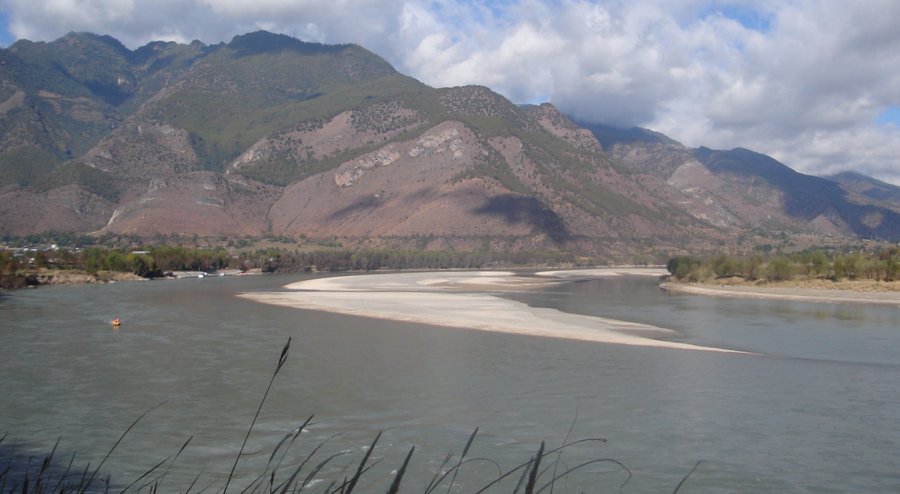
804 198
869 188
744 190
270 136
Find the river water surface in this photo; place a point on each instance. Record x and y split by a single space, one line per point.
818 410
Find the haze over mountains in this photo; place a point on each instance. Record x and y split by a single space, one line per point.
271 136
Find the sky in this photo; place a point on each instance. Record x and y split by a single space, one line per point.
813 83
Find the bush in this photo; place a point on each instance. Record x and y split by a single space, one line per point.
780 269
682 266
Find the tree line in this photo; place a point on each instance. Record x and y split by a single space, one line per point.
882 265
17 268
282 260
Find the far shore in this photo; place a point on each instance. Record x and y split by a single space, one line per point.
55 277
467 300
829 293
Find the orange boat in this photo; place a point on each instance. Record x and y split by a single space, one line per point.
116 322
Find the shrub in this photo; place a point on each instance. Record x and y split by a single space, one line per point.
680 267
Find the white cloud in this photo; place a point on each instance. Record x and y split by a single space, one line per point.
803 81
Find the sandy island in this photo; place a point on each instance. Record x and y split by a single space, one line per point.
798 294
465 300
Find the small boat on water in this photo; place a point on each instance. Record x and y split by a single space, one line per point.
116 322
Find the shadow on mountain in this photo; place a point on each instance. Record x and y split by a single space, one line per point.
362 204
805 197
609 135
265 42
520 209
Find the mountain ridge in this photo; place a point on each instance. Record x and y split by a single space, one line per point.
270 135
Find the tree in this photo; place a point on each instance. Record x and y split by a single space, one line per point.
117 261
680 267
779 269
143 265
9 264
724 266
846 266
92 259
818 262
752 268
891 259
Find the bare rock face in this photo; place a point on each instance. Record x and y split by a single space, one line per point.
554 122
314 140
724 203
401 189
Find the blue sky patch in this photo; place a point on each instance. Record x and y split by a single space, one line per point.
746 16
889 116
6 38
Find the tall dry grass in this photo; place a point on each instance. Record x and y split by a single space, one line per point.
545 470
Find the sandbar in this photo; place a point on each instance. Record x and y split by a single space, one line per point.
787 293
469 300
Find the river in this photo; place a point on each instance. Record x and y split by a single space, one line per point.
816 408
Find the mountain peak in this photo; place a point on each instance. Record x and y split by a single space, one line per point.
267 42
609 135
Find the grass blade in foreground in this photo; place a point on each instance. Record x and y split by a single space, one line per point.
281 360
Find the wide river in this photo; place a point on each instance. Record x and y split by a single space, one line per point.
814 406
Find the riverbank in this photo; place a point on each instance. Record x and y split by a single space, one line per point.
817 291
50 277
468 300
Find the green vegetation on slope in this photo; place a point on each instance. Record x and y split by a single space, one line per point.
91 179
226 124
24 166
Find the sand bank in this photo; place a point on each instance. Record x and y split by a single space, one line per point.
605 273
785 293
464 300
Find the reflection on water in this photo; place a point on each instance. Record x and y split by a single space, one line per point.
818 411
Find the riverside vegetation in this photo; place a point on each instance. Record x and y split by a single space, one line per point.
823 267
91 264
314 470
